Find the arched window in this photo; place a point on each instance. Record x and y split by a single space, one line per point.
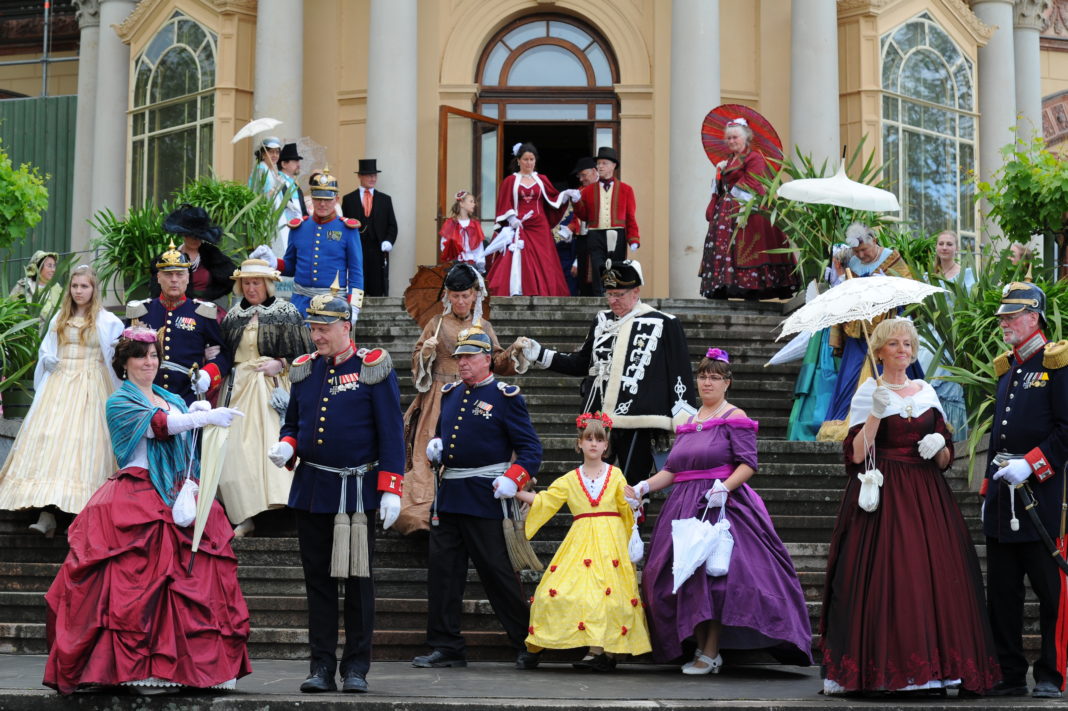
550 69
173 110
929 127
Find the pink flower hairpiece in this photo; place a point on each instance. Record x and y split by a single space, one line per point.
139 333
461 195
718 354
584 419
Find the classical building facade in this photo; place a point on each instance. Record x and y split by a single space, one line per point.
438 90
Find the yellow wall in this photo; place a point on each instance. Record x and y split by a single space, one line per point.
26 78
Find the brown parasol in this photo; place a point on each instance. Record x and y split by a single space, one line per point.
422 298
765 139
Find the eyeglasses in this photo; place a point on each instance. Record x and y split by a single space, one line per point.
617 296
711 378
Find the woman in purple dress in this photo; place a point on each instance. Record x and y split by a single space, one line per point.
758 604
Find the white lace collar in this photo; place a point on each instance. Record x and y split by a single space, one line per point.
910 406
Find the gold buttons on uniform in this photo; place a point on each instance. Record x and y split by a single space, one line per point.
322 419
321 429
318 441
323 409
325 399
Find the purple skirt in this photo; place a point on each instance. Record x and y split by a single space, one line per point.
759 601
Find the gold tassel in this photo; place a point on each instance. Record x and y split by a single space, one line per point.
339 555
359 563
511 541
530 558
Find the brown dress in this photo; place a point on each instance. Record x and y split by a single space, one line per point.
430 371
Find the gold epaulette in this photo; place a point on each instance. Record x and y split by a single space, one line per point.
1056 355
1001 363
377 365
136 309
301 367
207 309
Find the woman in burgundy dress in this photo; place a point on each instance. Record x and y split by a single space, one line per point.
735 263
758 604
530 205
125 608
903 606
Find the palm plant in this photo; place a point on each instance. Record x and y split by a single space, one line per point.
126 247
248 219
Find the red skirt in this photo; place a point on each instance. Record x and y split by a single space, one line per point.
123 608
540 266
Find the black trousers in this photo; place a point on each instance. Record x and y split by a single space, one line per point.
632 452
1006 566
316 534
595 253
456 539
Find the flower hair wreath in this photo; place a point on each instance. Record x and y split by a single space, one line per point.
584 419
139 333
718 354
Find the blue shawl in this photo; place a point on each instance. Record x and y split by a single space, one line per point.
129 415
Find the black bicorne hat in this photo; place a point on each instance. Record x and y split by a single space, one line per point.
189 220
622 275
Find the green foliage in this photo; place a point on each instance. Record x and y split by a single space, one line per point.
248 219
126 247
918 252
813 229
18 341
23 197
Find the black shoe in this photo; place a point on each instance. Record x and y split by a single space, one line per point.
354 682
1004 689
600 663
437 658
527 660
1046 690
322 679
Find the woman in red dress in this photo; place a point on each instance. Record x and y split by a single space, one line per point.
903 606
529 204
735 263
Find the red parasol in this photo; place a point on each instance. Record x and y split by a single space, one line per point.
422 298
765 140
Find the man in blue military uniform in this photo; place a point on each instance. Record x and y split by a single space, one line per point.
1028 448
321 247
344 425
187 327
482 423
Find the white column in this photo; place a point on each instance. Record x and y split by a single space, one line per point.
997 89
88 12
278 84
695 90
112 101
814 122
391 133
1027 22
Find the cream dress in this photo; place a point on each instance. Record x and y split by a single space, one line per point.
250 483
63 451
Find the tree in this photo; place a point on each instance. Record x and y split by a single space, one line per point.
23 197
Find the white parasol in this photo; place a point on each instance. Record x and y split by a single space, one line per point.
255 126
841 191
794 350
692 540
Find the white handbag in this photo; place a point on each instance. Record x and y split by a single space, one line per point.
184 510
718 561
870 481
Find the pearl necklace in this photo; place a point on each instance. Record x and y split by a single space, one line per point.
895 387
718 410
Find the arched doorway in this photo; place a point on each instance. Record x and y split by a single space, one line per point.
550 79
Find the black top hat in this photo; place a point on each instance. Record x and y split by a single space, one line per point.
289 152
584 163
192 221
622 275
609 153
367 166
461 277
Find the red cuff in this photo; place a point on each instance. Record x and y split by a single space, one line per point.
159 426
388 481
1039 464
281 264
519 475
292 460
983 487
213 372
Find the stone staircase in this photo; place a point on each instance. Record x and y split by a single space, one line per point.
800 482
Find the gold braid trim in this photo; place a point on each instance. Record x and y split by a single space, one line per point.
1056 355
1001 363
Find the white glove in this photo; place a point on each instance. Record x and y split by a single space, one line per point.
572 194
211 352
430 344
514 222
266 254
717 495
1015 472
203 383
222 416
634 246
531 349
355 314
280 453
387 246
388 508
931 445
504 488
280 401
270 368
880 400
49 362
641 490
200 406
178 422
565 233
434 449
721 165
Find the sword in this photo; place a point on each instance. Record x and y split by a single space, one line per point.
1031 506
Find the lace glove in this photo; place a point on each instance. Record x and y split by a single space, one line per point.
1014 473
280 401
49 363
280 453
200 406
514 222
270 368
641 490
389 505
212 352
504 488
433 450
430 345
266 254
880 401
387 246
203 383
178 422
931 445
717 495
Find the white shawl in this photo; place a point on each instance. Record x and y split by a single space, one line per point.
108 330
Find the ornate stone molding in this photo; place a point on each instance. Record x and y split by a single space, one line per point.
1055 118
242 7
1056 19
963 10
1030 14
87 12
853 7
129 26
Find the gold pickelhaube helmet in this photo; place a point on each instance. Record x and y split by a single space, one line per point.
323 185
172 260
329 308
472 340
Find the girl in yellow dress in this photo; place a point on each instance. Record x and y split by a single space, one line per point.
589 595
